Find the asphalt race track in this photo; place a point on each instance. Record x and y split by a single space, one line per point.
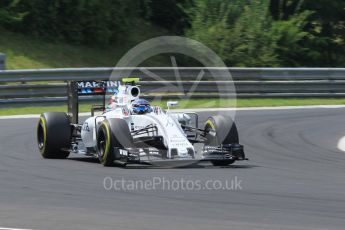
295 179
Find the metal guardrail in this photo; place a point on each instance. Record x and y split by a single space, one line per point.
25 86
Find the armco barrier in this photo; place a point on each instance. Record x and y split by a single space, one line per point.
25 86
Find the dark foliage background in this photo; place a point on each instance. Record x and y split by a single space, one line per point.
243 32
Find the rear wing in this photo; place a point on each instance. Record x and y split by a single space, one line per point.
75 89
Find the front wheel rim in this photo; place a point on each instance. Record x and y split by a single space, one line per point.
211 140
40 136
101 144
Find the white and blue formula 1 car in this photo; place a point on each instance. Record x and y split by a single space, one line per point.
128 130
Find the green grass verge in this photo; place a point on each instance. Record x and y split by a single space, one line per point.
195 103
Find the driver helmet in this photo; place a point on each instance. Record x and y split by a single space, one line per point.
141 106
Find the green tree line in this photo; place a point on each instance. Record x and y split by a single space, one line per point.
243 32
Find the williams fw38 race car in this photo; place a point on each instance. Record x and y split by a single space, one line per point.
128 130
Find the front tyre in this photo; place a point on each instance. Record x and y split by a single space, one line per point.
222 130
104 145
54 135
113 135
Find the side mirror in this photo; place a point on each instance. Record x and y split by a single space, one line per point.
172 104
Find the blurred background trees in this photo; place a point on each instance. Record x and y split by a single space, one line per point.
243 32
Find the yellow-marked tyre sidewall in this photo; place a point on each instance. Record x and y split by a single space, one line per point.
108 141
106 159
42 123
211 124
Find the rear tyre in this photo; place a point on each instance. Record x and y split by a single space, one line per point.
113 135
225 133
54 135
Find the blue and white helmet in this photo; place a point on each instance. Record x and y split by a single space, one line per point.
141 106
